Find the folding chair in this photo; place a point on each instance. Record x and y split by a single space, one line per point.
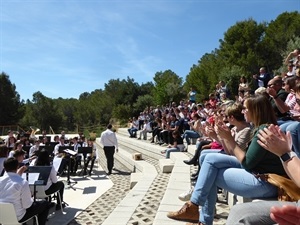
8 215
40 194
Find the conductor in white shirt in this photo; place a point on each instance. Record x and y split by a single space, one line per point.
109 142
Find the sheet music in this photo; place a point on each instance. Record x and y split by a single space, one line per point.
25 161
56 163
69 151
32 177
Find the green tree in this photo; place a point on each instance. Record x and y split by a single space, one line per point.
167 87
11 110
204 76
277 35
242 45
143 102
122 91
46 112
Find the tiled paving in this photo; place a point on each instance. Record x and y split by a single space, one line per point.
145 213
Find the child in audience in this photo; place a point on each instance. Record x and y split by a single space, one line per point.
177 146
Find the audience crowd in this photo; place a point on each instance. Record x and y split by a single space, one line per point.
236 141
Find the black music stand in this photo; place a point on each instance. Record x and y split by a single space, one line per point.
84 151
48 148
26 149
42 137
69 150
44 173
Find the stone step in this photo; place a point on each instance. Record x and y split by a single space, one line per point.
166 165
140 183
179 180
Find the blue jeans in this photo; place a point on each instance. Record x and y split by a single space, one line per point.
178 149
205 152
132 131
169 150
224 171
294 128
190 134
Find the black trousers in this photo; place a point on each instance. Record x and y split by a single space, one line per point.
58 186
40 208
87 161
109 152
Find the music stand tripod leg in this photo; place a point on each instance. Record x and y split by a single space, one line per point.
69 182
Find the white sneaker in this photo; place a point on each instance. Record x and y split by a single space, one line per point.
186 196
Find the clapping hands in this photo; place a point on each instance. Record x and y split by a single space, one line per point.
286 215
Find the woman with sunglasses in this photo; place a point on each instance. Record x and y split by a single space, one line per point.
236 173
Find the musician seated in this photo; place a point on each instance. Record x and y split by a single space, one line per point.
65 158
15 190
53 185
35 148
90 157
77 158
3 157
20 156
18 147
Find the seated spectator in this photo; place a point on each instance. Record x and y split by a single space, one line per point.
293 126
236 172
243 85
141 120
240 130
194 131
156 130
145 130
164 132
262 79
15 190
212 101
271 212
275 91
206 142
177 146
134 127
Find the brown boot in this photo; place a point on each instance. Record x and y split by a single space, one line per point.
188 213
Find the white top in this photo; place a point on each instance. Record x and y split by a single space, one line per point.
147 127
135 124
33 149
108 138
15 190
52 178
56 148
1 165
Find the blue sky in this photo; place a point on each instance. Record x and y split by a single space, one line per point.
63 48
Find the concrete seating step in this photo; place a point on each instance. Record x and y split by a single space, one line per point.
233 199
166 165
179 182
134 179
